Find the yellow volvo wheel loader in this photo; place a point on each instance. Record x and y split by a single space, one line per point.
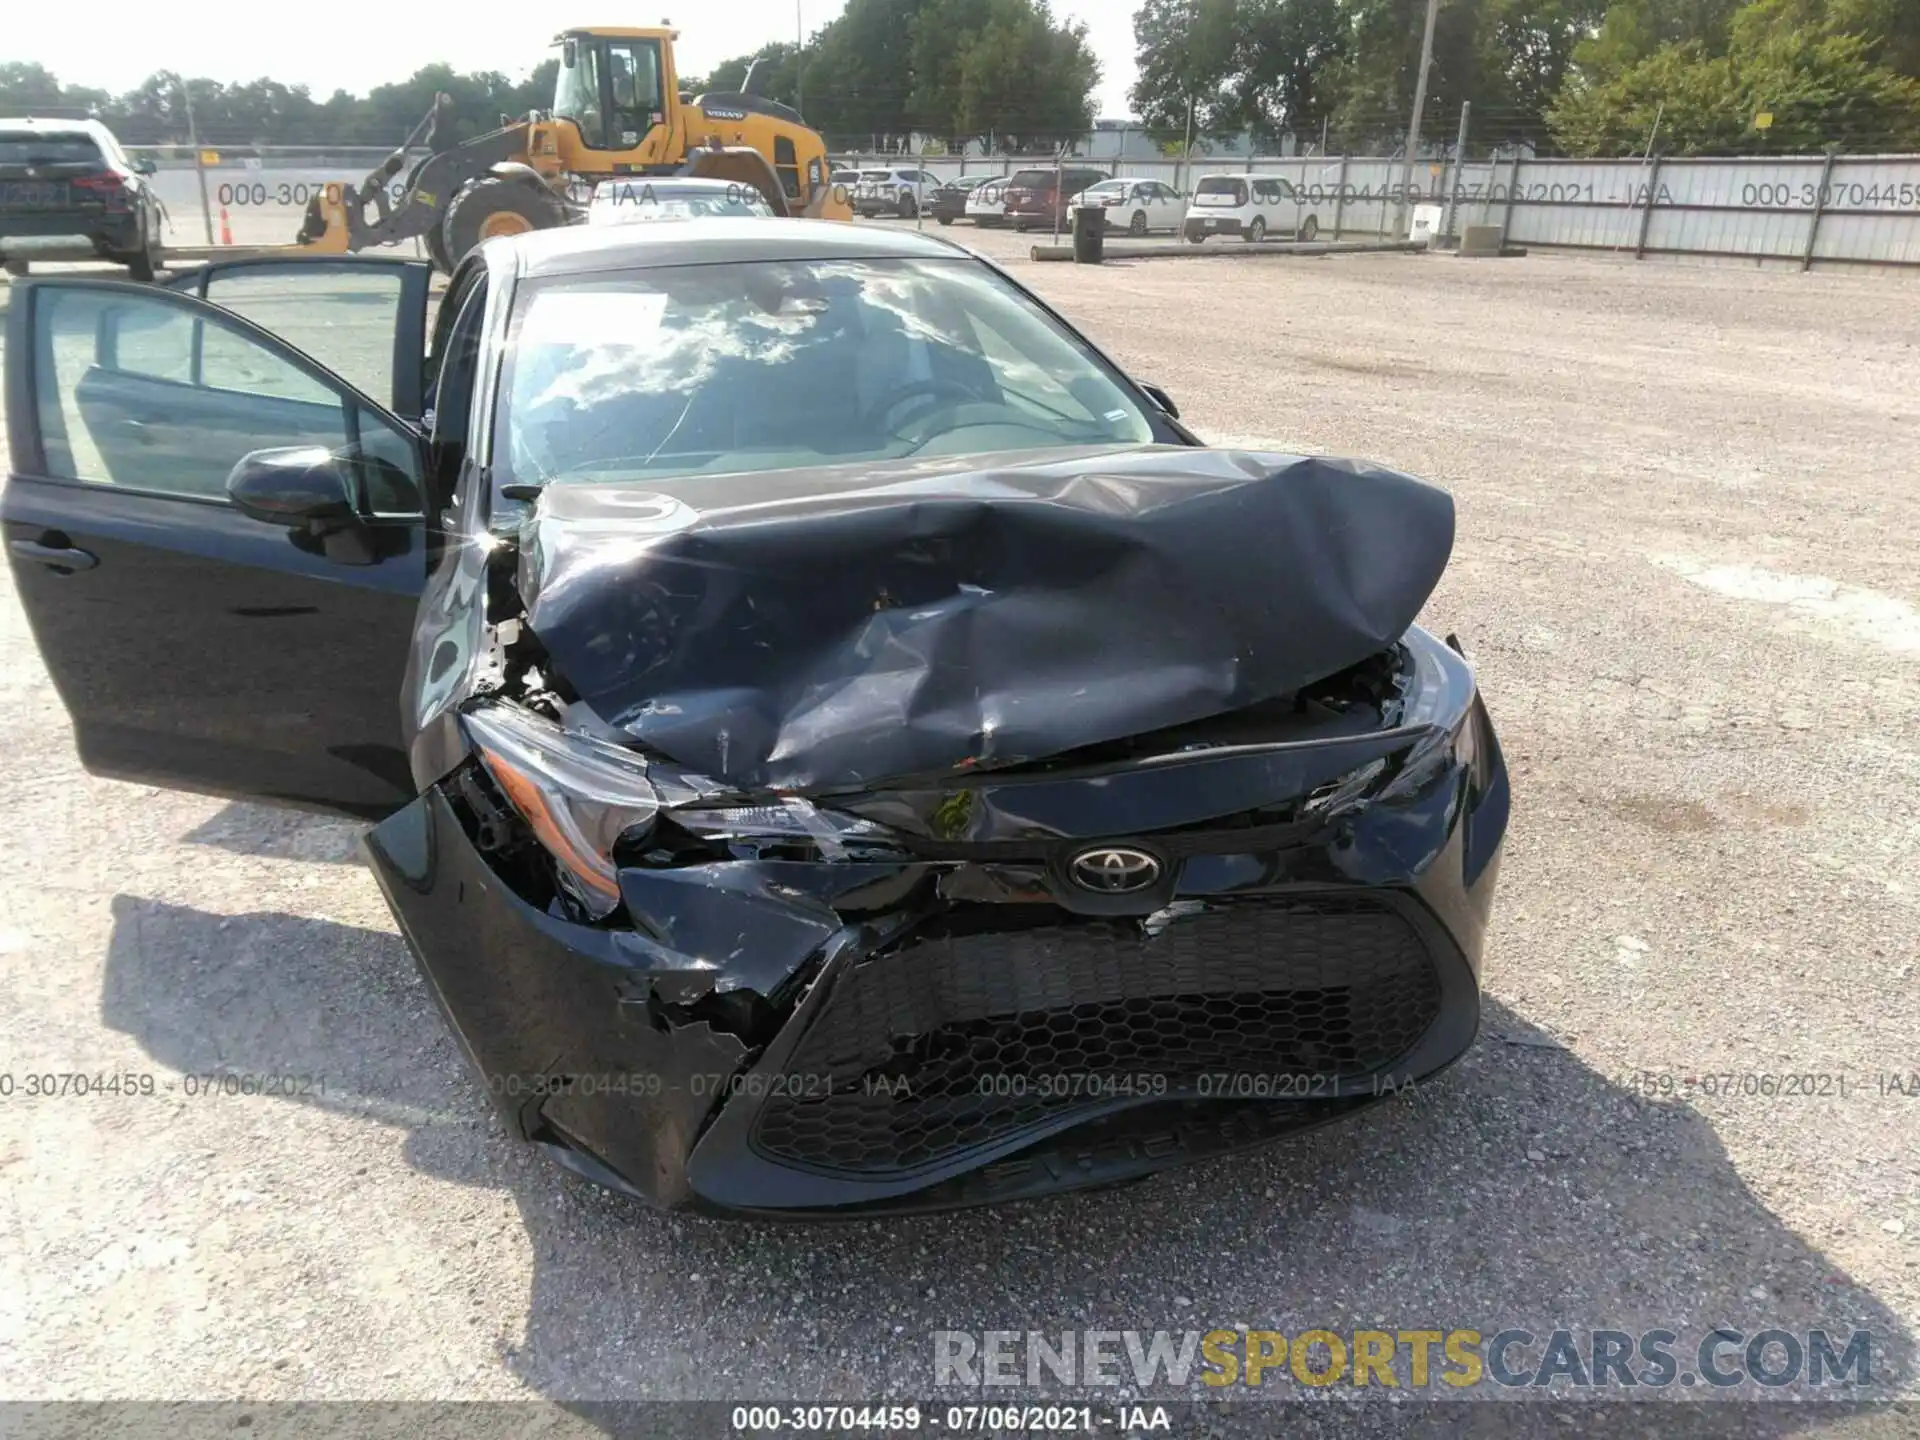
617 113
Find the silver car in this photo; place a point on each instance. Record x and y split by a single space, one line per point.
621 202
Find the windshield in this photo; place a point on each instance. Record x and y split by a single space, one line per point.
772 366
576 89
1032 179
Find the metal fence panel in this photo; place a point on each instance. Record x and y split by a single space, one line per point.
1799 208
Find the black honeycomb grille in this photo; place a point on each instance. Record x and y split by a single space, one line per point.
954 1039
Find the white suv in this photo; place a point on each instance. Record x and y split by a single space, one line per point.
896 192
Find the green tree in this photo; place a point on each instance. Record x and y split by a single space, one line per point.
1818 89
1283 50
1025 78
1188 54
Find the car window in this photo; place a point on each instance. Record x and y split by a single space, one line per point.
47 147
135 391
1032 179
1220 190
343 315
768 366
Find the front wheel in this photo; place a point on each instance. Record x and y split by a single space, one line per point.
1138 224
1195 239
1257 231
1309 228
493 206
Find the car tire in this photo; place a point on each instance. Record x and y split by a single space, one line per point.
142 263
1309 228
1138 224
495 205
1195 239
944 219
16 268
909 207
1257 231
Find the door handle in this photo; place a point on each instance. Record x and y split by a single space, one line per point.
60 557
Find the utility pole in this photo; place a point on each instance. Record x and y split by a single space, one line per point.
199 163
1419 104
1186 150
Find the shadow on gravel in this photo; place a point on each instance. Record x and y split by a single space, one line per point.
1521 1190
248 829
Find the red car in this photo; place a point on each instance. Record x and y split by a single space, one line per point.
1042 197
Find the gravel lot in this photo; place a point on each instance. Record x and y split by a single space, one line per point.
1684 568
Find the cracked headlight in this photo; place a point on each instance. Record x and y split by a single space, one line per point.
578 795
789 818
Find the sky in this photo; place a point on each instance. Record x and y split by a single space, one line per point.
357 44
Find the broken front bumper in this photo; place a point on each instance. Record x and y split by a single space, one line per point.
970 1024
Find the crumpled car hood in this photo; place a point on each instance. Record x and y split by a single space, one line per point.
832 628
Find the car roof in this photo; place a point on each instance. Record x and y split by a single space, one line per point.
716 240
33 125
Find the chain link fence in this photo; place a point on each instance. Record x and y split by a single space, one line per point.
1807 210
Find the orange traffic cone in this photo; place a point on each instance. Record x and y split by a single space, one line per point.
226 230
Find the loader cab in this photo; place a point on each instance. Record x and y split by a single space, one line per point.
619 90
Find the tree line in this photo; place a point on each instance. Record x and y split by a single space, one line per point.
1576 77
265 112
1579 77
1003 72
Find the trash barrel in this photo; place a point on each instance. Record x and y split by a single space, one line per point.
1089 234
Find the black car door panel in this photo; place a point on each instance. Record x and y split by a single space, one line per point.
192 645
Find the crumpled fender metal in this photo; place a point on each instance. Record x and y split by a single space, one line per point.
833 627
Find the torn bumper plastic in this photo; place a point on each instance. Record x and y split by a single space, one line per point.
963 1018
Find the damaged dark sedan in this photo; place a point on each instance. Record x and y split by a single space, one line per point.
836 743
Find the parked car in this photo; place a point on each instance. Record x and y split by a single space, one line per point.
987 202
68 191
949 202
1042 197
902 192
809 698
1136 206
1250 206
644 198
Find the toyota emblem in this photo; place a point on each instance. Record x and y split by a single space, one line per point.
1114 870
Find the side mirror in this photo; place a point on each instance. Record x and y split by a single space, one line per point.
143 166
311 490
1162 399
570 54
304 487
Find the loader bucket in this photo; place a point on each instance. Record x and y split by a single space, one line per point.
742 166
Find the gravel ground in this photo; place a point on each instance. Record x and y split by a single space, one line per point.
1684 570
